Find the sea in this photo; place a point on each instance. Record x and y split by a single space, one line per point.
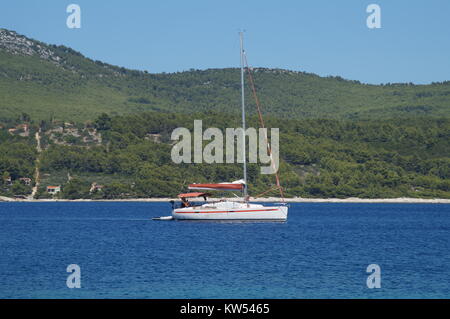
324 250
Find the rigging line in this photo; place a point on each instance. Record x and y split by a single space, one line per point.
261 120
271 189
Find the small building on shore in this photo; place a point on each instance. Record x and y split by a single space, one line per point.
53 189
95 188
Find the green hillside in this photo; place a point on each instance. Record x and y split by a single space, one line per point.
318 158
105 125
372 159
54 81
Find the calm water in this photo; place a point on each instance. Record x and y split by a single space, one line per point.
321 252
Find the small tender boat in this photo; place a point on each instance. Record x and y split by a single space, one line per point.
230 209
163 218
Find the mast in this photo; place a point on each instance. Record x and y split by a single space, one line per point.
241 35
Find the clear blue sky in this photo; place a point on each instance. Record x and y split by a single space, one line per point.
326 37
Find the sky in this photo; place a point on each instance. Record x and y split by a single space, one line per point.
326 37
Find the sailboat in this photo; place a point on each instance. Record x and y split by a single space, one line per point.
228 209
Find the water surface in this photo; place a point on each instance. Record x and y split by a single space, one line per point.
321 252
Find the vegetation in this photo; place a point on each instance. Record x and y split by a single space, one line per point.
17 156
65 85
319 158
109 126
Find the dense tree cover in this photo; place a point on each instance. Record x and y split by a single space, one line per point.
338 137
319 158
77 88
17 156
76 189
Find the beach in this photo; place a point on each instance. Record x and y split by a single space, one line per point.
400 200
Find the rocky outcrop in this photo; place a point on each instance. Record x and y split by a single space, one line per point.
18 44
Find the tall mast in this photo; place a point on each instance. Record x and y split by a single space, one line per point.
241 35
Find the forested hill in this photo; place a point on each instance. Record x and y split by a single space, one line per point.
130 157
55 81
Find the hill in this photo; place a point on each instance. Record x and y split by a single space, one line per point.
103 125
129 156
49 81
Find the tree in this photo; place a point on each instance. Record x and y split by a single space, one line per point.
103 122
24 117
76 189
115 190
19 189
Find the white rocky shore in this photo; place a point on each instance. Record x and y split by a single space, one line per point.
265 199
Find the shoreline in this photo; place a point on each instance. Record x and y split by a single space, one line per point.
400 200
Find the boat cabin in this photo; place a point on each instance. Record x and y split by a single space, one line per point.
187 196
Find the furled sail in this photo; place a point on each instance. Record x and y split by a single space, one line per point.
234 186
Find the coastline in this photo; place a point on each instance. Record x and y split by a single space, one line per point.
400 200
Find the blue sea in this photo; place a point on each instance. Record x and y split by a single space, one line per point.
322 251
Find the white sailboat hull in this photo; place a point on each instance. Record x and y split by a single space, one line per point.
232 211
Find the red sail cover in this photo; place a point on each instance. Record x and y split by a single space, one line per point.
218 187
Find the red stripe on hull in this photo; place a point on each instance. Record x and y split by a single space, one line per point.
228 211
